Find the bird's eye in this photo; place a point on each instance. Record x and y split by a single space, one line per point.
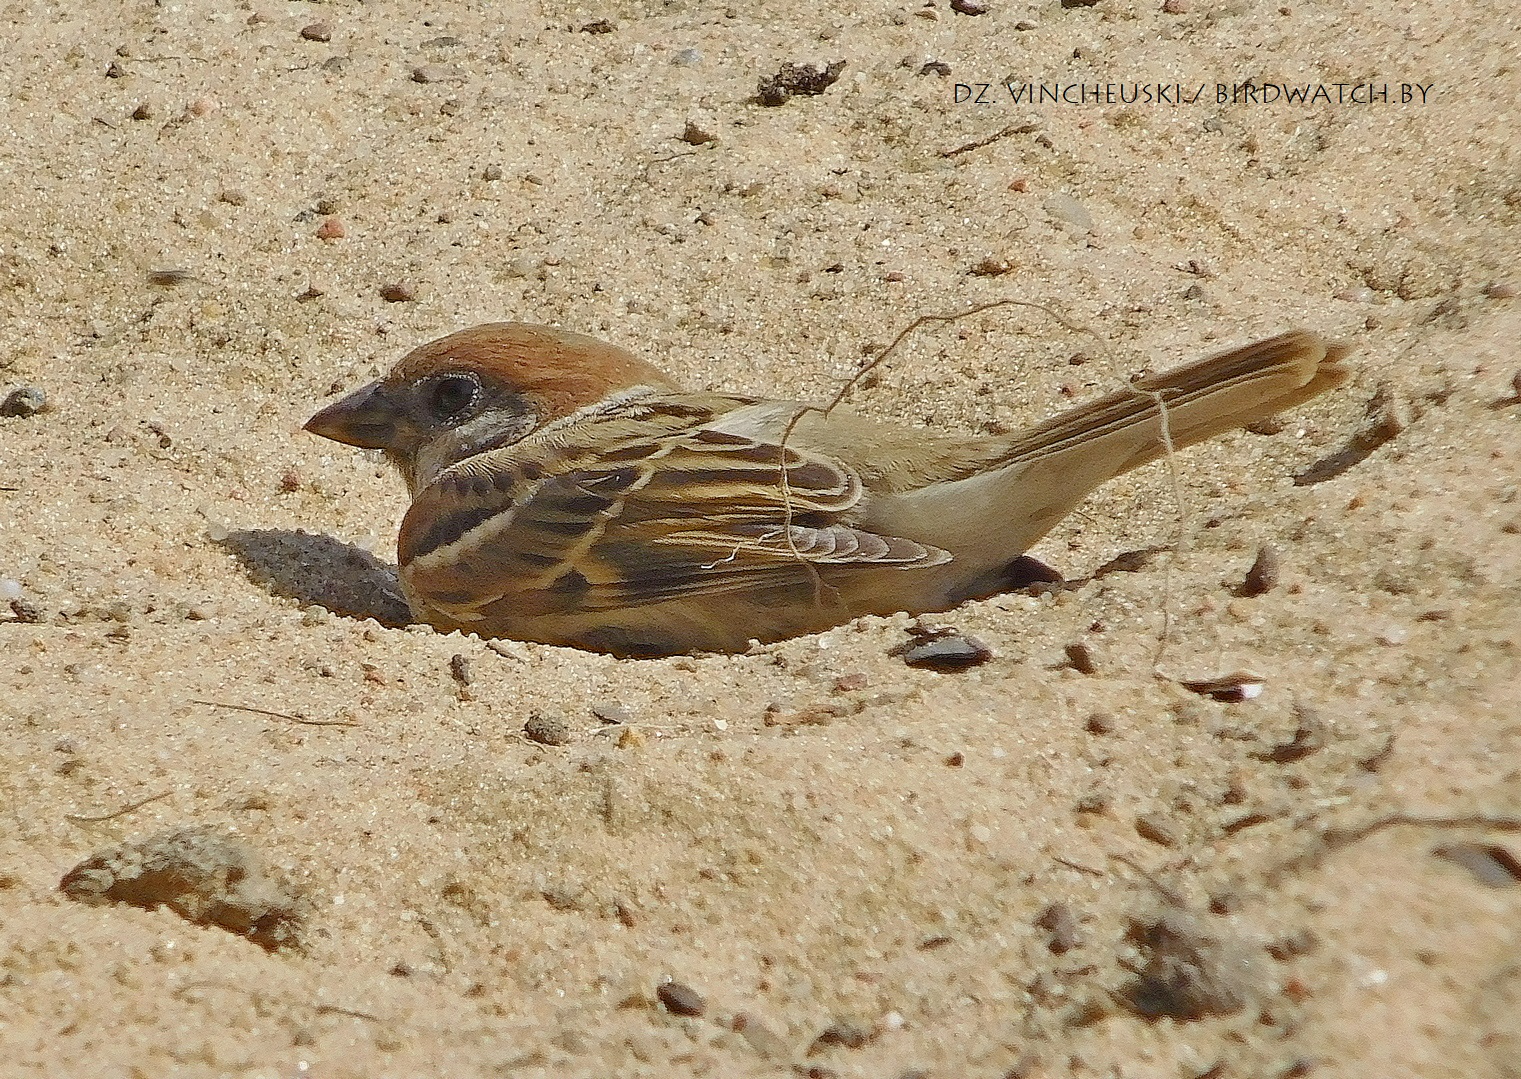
451 396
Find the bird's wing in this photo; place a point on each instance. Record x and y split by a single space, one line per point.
682 500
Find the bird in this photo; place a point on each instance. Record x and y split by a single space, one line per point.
567 492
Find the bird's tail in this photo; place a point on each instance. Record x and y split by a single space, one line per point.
1017 488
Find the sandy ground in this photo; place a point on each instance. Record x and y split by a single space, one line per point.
861 868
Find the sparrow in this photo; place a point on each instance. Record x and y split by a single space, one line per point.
567 492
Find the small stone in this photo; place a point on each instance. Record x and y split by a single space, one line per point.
331 229
143 112
601 26
765 1041
843 1033
1080 655
399 292
546 730
687 58
1057 920
203 107
1491 864
1175 7
23 402
491 172
693 135
317 31
233 197
429 73
204 877
1069 212
1027 25
1185 974
1099 723
1500 290
1235 687
680 999
795 80
936 67
992 267
946 652
1264 574
1156 828
1356 294
612 713
969 7
1078 3
115 71
168 278
459 669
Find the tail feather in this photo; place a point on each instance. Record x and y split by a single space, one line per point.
1201 400
1024 484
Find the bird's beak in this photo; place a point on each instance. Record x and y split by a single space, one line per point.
365 418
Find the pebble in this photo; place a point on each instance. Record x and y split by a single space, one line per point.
1057 920
143 112
1491 864
23 402
1264 574
398 292
949 652
612 713
681 999
765 1041
1500 290
331 229
969 7
317 31
1361 294
427 73
459 669
1080 655
936 67
1175 7
694 135
491 172
546 730
1156 828
844 1033
687 58
1069 211
992 267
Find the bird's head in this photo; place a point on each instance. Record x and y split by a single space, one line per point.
477 390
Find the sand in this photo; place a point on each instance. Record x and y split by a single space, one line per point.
359 865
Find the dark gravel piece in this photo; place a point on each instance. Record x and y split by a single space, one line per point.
1080 655
1264 574
1185 974
844 1033
1157 828
546 730
680 999
797 79
950 652
1057 919
205 878
24 401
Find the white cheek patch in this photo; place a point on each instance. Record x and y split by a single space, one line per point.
490 430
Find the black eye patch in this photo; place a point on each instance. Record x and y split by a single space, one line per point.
449 397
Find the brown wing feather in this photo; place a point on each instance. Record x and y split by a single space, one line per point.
599 524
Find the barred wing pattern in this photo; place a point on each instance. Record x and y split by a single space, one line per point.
662 503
